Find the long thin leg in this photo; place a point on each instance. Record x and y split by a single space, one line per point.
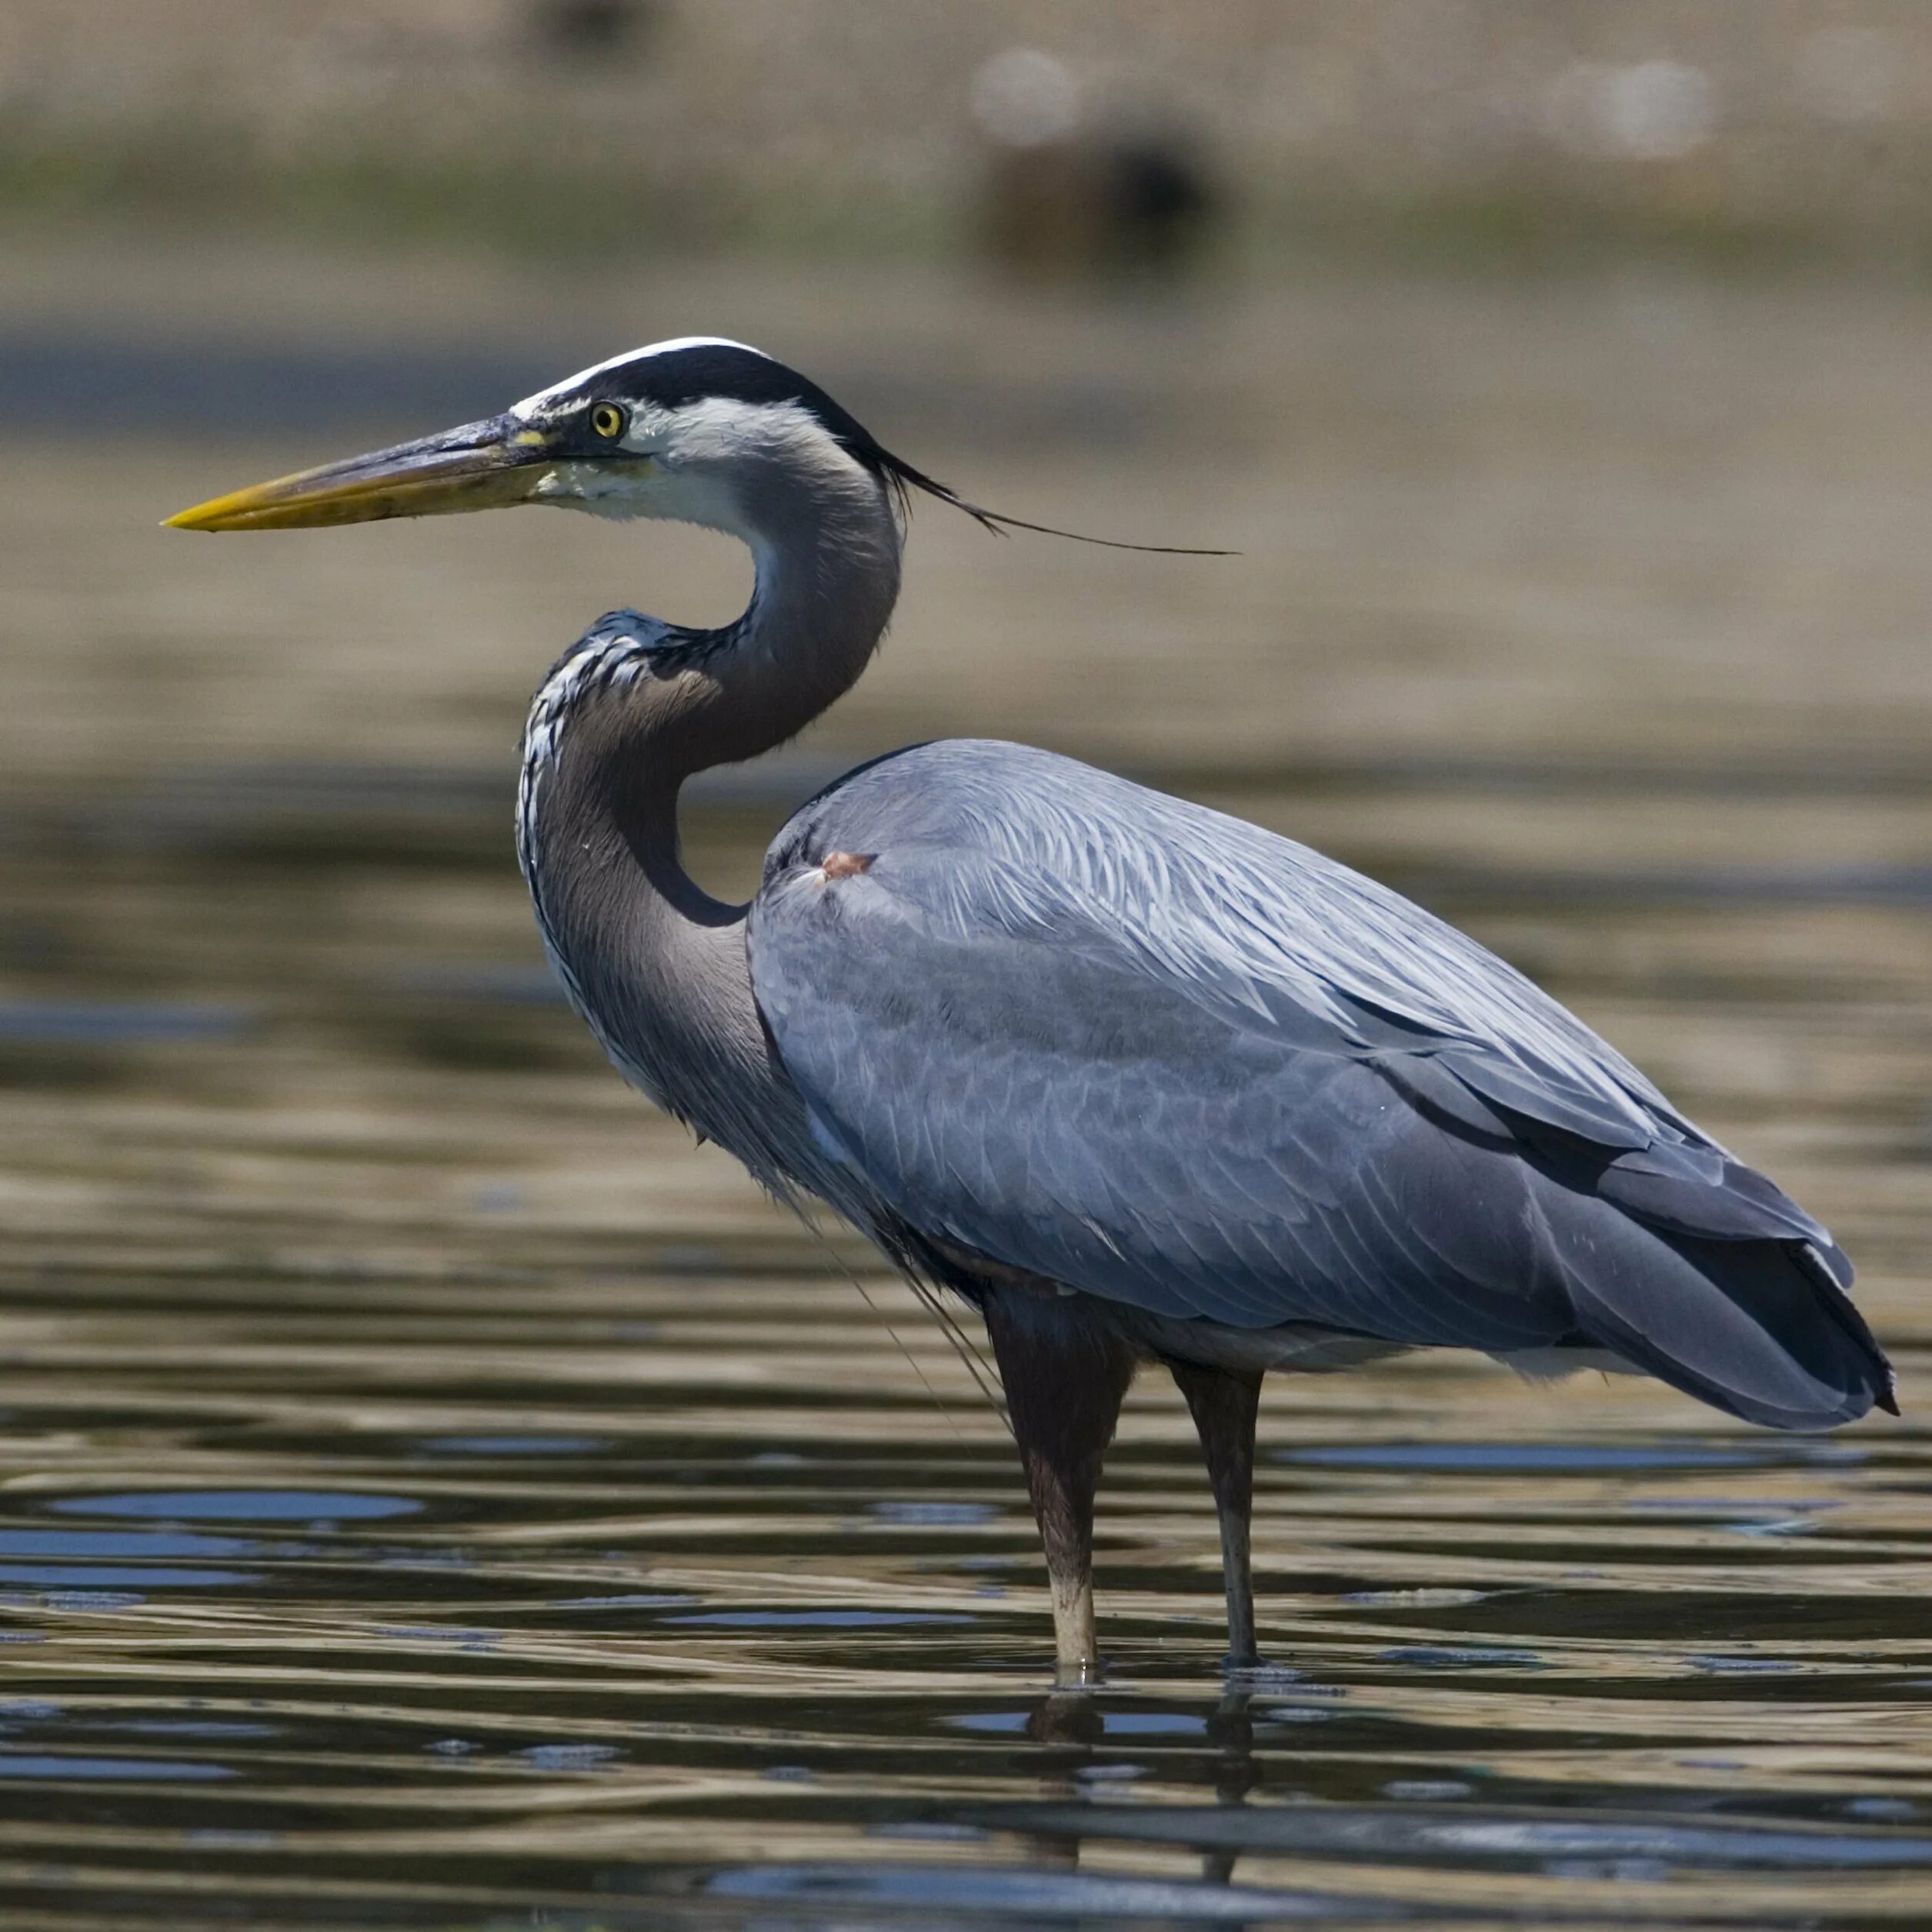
1224 1406
1065 1379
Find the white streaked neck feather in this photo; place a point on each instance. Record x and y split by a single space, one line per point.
654 964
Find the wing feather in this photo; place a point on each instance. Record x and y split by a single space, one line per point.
1132 1045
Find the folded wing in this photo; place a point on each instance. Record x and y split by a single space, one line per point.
1127 1043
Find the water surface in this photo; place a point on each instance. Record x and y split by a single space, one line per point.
434 1494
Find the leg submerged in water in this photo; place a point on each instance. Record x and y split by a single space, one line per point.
1224 1406
1064 1387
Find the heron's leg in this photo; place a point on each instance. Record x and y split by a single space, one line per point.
1224 1406
1065 1379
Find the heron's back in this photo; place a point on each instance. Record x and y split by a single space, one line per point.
1121 1042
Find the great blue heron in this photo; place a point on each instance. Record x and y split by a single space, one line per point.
1140 1082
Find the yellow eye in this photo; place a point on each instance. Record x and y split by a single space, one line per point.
607 421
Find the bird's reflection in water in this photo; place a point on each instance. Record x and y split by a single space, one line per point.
1072 1724
1231 1731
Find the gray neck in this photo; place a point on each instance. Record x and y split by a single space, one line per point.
655 964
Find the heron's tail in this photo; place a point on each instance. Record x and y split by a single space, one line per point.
1759 1329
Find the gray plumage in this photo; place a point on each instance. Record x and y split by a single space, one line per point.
1139 1081
1124 1042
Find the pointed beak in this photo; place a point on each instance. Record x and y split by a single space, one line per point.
478 467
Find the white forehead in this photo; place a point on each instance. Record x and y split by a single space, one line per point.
531 404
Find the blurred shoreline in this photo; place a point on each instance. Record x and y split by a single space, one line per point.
1455 132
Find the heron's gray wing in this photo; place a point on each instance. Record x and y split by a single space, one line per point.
1134 1046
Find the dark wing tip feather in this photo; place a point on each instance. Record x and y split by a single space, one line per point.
1831 1272
1758 1328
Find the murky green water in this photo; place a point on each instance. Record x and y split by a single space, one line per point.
434 1494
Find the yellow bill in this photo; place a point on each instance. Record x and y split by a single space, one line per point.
480 466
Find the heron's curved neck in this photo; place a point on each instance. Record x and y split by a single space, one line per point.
655 964
826 552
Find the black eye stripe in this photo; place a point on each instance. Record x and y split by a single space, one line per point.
669 380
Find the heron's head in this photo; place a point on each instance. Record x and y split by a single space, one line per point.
698 430
686 430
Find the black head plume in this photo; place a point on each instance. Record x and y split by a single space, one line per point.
904 477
